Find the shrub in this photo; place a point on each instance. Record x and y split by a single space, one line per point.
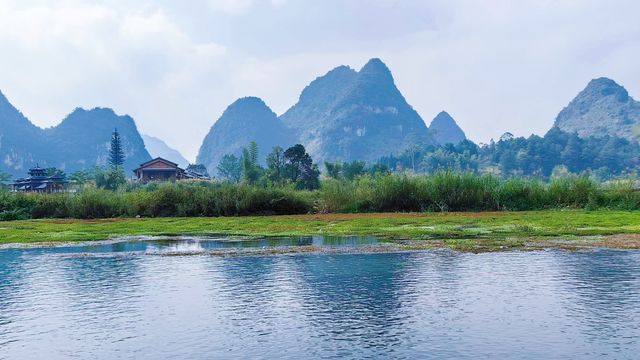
442 191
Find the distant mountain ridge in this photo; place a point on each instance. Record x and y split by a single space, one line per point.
343 115
158 148
602 108
81 141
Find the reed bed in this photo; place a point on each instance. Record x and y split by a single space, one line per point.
439 192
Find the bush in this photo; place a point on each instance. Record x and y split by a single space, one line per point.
517 194
443 191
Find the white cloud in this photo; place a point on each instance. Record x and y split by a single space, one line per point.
138 61
495 65
240 7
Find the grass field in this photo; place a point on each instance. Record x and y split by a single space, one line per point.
463 231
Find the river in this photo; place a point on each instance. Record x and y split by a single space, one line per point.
173 299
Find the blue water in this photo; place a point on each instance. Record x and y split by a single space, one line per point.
130 302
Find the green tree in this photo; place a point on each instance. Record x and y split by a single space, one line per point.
80 178
251 170
571 155
300 168
110 179
353 169
4 179
116 152
253 153
296 157
309 178
334 170
276 164
507 162
230 168
55 172
414 155
379 169
440 160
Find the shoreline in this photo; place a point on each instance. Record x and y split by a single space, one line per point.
587 243
469 231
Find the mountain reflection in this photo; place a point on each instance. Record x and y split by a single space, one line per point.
106 300
602 287
354 296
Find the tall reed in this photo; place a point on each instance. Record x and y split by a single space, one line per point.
442 191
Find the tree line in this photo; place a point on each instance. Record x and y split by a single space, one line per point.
556 153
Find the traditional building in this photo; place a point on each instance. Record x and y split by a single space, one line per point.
40 181
159 169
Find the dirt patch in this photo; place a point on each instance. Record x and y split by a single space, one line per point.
622 241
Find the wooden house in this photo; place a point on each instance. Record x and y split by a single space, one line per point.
159 169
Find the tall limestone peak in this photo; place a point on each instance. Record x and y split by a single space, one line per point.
249 109
83 139
10 117
445 130
20 140
375 85
606 87
247 119
367 117
319 97
376 70
328 86
80 142
5 105
603 108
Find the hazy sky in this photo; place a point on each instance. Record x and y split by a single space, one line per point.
174 66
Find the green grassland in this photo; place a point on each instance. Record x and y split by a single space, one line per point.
462 231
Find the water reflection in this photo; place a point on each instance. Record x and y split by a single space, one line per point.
11 284
114 301
354 298
195 245
602 289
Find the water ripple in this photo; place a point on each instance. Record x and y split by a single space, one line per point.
58 303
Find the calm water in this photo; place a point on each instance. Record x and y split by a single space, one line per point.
126 300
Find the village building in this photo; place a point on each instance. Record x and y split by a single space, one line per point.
40 181
160 169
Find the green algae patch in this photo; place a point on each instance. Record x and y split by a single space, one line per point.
468 231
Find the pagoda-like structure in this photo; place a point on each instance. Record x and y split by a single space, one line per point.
40 181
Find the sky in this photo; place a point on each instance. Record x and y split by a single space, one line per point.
174 66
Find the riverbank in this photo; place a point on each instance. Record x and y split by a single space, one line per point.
484 231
